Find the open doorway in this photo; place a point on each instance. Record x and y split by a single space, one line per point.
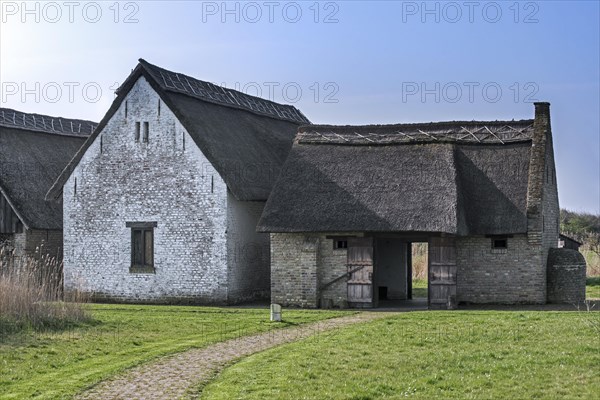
401 269
391 269
418 265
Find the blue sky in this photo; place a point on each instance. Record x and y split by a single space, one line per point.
349 62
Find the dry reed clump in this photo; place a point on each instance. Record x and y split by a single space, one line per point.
419 260
31 293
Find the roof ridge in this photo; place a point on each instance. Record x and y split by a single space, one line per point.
415 124
210 92
481 132
11 118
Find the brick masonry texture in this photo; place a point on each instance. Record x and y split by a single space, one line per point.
294 270
36 243
301 265
566 276
486 275
168 181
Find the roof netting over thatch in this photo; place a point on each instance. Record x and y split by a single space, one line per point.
42 123
428 178
462 132
176 82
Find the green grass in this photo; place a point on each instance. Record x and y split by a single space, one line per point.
592 287
430 355
57 364
592 260
592 290
419 288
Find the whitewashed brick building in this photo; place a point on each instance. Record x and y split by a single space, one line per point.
162 201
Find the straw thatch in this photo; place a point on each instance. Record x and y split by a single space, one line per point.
453 177
34 149
245 138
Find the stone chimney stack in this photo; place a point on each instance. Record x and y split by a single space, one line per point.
542 114
537 165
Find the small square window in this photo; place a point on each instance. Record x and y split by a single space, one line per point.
340 244
499 243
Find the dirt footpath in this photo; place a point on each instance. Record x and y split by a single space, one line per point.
170 377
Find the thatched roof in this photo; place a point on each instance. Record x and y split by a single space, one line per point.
451 177
245 138
34 149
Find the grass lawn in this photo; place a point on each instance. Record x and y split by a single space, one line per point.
430 355
592 288
419 288
56 365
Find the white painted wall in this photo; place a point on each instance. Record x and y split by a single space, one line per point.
156 181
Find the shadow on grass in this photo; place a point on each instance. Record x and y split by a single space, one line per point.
593 281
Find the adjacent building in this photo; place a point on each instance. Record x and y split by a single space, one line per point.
350 200
34 149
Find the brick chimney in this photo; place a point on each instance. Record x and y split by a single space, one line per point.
537 165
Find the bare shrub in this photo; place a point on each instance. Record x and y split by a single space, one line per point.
590 249
31 293
419 260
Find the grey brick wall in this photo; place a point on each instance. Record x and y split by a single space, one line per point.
294 260
167 180
36 243
332 264
486 275
301 264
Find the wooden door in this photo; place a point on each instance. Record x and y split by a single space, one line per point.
442 273
360 271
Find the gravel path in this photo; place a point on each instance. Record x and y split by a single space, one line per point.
170 377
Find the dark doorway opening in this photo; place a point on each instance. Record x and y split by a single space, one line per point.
391 269
383 292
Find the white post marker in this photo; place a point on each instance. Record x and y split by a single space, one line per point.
275 312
